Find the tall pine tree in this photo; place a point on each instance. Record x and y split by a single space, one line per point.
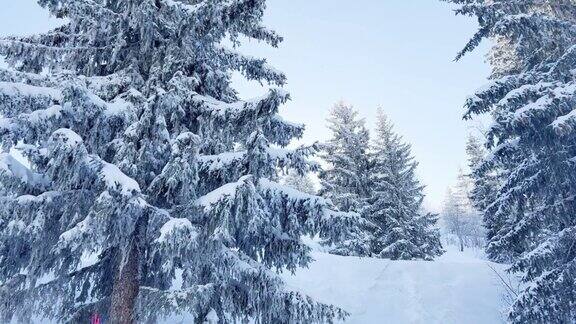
531 100
404 231
150 188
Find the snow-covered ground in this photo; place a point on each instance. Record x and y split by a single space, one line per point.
456 288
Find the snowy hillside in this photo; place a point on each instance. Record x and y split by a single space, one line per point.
457 288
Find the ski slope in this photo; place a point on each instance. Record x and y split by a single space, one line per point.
457 288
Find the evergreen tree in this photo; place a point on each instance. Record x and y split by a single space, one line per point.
453 219
346 181
481 194
150 188
533 137
403 231
475 151
484 192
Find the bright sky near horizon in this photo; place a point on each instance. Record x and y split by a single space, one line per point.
394 54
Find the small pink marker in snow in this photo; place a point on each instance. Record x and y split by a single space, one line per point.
95 319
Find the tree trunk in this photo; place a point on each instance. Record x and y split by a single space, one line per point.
126 286
127 281
461 244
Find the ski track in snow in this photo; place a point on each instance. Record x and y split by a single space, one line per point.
456 288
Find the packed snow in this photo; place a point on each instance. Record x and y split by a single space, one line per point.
456 288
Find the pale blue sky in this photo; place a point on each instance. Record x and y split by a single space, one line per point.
397 54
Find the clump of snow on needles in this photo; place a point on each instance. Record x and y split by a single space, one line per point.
173 225
114 178
227 190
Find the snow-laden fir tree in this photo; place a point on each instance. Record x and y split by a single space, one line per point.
482 193
484 188
404 231
346 180
533 137
149 188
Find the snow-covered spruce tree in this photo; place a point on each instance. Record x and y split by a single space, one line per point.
346 180
395 204
481 194
149 187
534 136
485 186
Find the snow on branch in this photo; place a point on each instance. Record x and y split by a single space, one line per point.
229 162
67 137
9 166
110 175
43 119
227 191
253 68
290 193
265 105
16 98
175 4
177 225
117 180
